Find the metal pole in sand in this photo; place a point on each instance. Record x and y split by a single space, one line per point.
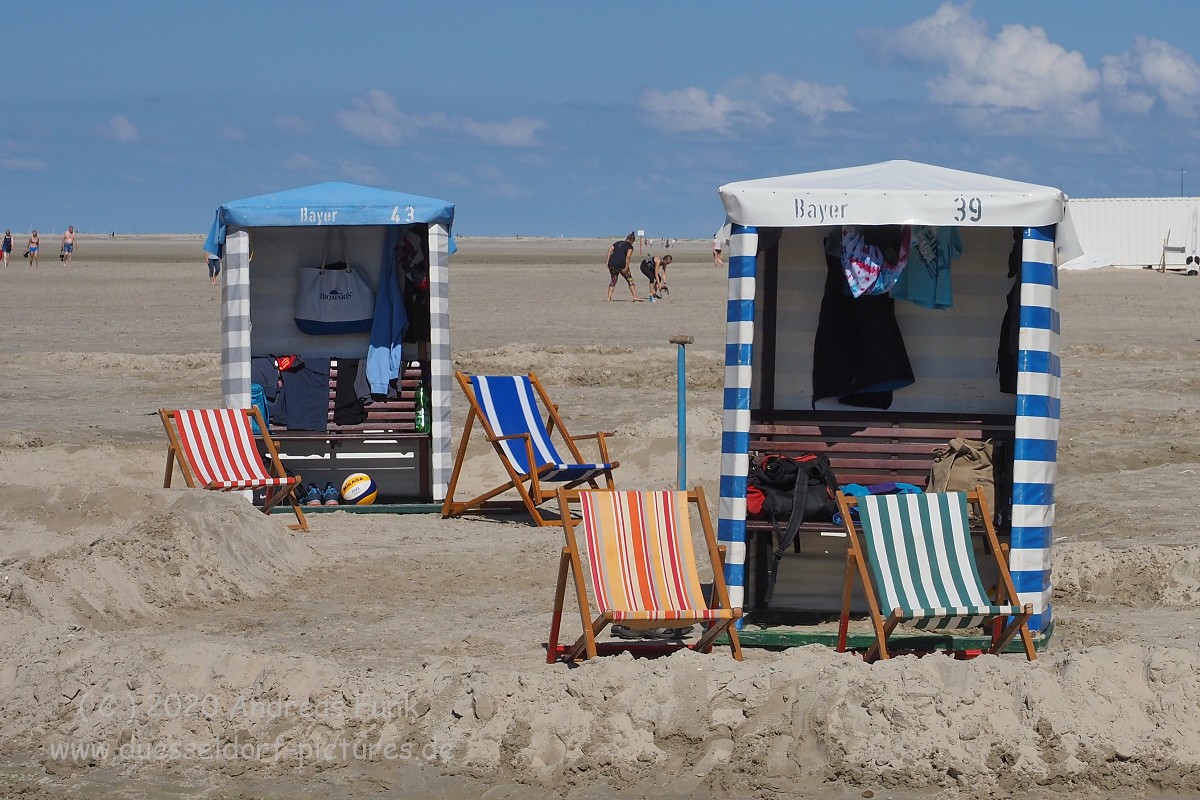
681 408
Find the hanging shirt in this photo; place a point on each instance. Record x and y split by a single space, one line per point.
858 353
926 282
866 268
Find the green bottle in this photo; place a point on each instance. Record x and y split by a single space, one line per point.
421 401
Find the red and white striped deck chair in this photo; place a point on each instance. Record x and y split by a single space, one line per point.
642 569
216 450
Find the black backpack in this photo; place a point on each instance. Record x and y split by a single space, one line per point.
789 488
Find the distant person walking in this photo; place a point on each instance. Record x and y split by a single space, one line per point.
214 267
655 270
31 249
6 247
717 250
68 245
618 265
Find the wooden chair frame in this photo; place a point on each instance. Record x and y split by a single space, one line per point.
275 494
571 561
1005 592
528 485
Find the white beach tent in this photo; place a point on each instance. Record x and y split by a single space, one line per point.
300 227
798 209
1137 232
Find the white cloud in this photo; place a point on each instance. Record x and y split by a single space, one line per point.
518 132
811 100
118 129
1018 72
373 118
359 172
692 110
761 100
291 123
1153 70
376 117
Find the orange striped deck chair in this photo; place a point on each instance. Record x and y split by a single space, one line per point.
215 449
642 569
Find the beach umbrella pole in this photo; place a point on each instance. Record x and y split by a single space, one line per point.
681 408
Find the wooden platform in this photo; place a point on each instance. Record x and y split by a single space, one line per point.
783 637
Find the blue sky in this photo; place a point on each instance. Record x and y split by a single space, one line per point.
559 118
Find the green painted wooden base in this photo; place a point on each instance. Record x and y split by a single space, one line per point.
781 637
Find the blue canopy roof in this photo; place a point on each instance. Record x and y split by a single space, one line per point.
333 203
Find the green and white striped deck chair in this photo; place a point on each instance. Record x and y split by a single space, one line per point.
915 558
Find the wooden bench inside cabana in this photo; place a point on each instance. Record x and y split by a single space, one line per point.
386 445
864 447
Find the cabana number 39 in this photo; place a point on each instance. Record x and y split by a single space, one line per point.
408 216
973 207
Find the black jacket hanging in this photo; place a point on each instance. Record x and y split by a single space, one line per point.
1008 351
858 355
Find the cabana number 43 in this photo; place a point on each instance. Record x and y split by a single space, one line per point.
316 216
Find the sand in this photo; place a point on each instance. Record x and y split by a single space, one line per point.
173 643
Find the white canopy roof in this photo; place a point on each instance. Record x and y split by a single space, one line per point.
897 193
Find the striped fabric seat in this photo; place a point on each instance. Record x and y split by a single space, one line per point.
216 449
916 561
640 553
923 562
642 567
219 447
512 410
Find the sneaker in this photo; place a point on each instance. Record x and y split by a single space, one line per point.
329 495
652 298
312 497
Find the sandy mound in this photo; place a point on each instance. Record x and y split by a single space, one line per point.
121 554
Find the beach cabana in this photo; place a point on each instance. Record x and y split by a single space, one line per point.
266 242
1009 234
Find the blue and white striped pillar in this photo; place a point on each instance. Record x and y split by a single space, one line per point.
1035 451
735 439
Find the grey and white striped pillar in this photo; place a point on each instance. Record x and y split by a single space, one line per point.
235 322
440 364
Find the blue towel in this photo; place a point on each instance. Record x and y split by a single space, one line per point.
859 490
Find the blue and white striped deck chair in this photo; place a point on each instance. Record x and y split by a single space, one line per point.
916 560
508 408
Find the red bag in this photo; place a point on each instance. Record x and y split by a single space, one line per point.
755 497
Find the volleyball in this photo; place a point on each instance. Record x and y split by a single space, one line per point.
359 490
